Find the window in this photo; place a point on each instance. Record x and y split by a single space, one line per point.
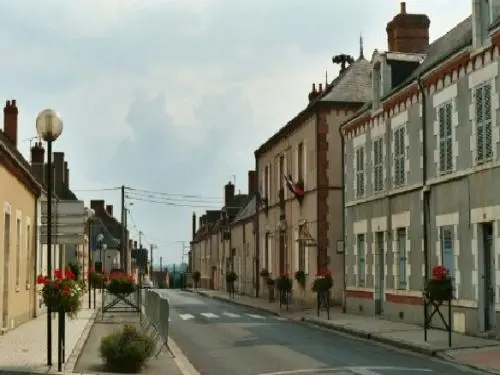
18 251
399 157
302 256
360 172
378 164
266 182
244 233
377 85
447 256
483 123
300 161
361 260
401 241
28 254
281 172
445 138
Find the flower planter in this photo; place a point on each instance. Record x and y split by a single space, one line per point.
61 294
440 287
121 284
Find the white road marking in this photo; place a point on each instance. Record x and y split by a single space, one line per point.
357 370
281 318
209 315
255 316
186 316
231 315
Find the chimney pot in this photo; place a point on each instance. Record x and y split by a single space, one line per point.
403 7
109 209
228 194
408 33
320 87
97 206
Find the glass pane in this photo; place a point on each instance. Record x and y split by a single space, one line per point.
488 142
487 102
479 104
449 154
448 131
441 122
480 142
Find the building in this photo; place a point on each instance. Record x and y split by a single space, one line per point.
421 169
300 182
19 194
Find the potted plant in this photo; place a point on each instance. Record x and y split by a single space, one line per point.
121 283
439 287
126 350
97 279
196 278
231 277
264 273
284 283
323 282
300 277
62 293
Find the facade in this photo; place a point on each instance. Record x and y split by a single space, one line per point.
19 193
308 151
422 163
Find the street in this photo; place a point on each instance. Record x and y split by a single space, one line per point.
220 338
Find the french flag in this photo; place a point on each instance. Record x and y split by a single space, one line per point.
292 186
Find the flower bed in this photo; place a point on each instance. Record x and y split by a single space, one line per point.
439 288
121 283
62 292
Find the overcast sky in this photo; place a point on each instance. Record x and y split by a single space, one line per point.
174 96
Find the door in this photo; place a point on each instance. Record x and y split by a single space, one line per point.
488 281
6 276
379 272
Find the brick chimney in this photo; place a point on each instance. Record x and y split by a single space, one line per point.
59 171
194 224
109 209
228 194
135 244
252 181
408 33
38 161
10 113
97 206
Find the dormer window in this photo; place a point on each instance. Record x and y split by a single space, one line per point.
377 85
484 13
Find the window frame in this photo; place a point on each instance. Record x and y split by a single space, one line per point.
361 245
450 231
445 137
402 252
399 157
378 165
483 121
360 172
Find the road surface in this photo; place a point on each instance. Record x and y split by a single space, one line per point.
224 339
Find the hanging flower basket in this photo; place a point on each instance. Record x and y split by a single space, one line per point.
264 273
121 283
63 292
284 283
97 279
231 277
323 282
439 288
300 277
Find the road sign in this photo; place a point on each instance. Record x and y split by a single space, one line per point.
63 229
68 222
64 209
67 239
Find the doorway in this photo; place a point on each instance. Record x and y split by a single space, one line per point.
487 278
379 272
6 276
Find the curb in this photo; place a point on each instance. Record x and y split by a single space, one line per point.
70 364
237 303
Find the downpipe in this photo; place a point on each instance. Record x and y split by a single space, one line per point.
342 182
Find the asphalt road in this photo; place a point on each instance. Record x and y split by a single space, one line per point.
224 339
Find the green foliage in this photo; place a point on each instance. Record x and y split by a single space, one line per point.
126 350
231 277
196 276
300 277
284 283
323 283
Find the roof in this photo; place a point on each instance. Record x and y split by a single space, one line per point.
247 211
438 51
98 226
352 86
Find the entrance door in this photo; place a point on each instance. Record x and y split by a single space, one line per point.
6 276
379 272
488 281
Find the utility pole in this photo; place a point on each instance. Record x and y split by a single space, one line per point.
140 239
161 264
152 247
123 240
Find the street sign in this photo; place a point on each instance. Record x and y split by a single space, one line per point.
68 222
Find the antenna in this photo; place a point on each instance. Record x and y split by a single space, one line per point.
326 78
234 179
30 140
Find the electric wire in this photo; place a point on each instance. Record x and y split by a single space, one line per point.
187 196
168 199
171 204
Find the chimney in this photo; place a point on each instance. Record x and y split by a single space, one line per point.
66 174
109 209
135 244
130 244
252 182
194 224
10 113
408 33
228 194
313 94
38 161
97 206
59 171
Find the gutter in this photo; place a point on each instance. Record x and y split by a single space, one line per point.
425 189
342 181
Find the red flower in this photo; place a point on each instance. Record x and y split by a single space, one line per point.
439 273
58 273
40 279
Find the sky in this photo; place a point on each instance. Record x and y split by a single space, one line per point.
174 96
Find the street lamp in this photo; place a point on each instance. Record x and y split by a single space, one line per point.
90 215
49 127
103 259
100 238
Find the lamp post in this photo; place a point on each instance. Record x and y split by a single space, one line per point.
100 238
49 127
90 215
103 257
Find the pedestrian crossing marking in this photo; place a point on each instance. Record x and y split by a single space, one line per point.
231 315
209 315
256 316
186 316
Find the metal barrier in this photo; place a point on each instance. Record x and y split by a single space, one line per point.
156 314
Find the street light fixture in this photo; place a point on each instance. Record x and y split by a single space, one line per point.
90 216
49 127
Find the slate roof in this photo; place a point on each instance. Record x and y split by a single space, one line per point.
98 226
247 211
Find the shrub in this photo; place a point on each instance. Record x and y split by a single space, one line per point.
126 350
440 287
61 292
323 282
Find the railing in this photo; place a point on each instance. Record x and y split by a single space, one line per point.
156 314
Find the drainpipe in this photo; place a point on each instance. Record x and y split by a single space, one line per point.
256 229
425 189
342 183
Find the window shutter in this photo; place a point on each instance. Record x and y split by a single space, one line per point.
296 163
304 167
295 250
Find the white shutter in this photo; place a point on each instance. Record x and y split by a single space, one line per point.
270 254
295 250
306 259
304 166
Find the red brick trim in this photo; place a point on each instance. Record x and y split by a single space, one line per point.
366 294
404 300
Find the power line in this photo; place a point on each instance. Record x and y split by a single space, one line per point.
133 195
172 204
95 190
193 196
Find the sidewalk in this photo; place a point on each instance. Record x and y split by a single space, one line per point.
24 348
479 353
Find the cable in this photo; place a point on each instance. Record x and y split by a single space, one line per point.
173 204
91 190
195 196
133 195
